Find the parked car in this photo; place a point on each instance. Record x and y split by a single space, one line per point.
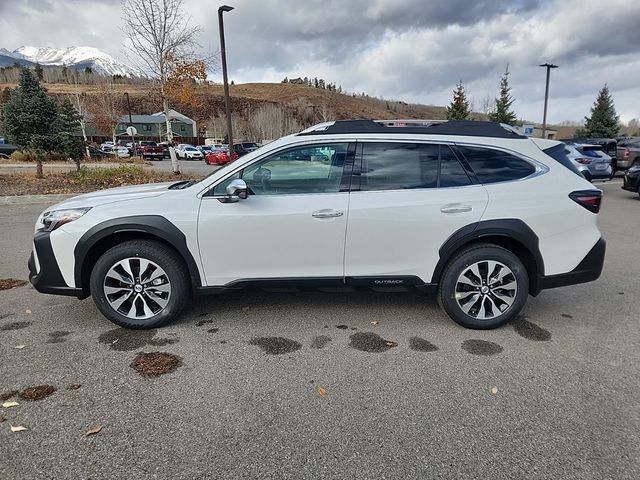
632 179
121 152
609 146
107 147
6 148
243 148
96 153
219 156
188 152
148 150
628 154
483 222
590 160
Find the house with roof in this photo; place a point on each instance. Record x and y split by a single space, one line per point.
154 126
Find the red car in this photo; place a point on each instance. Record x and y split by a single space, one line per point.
219 157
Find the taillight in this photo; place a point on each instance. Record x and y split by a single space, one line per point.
627 152
589 199
583 161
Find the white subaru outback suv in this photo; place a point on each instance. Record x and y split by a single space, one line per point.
471 211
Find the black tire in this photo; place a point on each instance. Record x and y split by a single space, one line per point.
458 265
162 256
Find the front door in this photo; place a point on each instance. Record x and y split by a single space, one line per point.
291 226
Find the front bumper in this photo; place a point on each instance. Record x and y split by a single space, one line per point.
588 270
48 278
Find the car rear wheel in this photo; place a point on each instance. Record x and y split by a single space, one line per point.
140 284
483 287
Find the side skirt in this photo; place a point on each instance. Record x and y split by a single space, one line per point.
379 283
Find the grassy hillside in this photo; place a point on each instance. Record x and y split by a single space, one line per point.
302 101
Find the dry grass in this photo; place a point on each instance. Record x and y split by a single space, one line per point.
86 180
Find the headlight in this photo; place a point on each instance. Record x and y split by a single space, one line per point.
56 218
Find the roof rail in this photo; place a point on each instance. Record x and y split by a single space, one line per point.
469 128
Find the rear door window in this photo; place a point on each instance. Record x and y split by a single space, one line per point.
493 166
399 166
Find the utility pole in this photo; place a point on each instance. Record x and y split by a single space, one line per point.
225 78
548 66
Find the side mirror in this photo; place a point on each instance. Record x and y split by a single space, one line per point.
236 190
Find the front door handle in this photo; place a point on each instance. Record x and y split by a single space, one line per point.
456 208
327 213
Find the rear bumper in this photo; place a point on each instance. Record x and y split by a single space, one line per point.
623 164
588 270
48 279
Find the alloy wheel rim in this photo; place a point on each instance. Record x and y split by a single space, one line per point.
486 289
137 288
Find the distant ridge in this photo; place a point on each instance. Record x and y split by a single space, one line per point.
78 58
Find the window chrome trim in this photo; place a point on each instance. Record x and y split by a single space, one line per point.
540 167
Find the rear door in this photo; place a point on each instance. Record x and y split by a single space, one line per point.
407 198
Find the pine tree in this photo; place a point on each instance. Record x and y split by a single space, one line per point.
502 112
67 125
604 121
39 72
459 109
29 118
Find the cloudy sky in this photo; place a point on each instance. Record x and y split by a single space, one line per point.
412 50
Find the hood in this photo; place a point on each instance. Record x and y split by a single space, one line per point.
111 195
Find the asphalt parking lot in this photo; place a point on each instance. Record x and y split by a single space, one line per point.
359 385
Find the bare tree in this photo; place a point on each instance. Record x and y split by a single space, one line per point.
159 33
107 107
270 121
78 99
487 104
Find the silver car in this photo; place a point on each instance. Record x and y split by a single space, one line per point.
590 160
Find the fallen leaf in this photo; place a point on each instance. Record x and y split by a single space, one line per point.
375 322
494 390
10 404
115 341
2 418
74 386
18 428
19 347
322 392
94 430
28 311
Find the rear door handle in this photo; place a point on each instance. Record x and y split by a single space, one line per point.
456 208
327 213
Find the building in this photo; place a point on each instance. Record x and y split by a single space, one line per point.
536 131
154 126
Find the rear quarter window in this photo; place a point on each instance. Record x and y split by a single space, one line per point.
559 154
493 166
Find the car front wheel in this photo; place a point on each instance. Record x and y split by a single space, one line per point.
483 287
140 284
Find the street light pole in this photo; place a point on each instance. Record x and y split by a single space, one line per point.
133 140
548 66
223 55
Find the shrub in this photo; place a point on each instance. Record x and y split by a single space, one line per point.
29 156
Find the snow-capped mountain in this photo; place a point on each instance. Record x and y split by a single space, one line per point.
73 57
